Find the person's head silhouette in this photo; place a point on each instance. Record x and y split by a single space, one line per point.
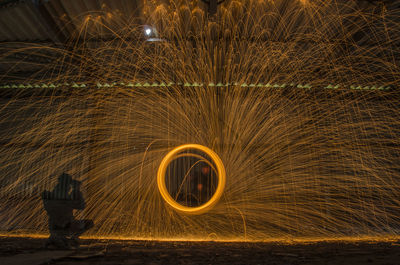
63 187
65 179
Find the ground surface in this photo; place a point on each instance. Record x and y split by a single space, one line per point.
32 251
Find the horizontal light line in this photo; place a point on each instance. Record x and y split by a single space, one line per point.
170 84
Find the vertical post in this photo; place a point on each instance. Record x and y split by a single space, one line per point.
212 7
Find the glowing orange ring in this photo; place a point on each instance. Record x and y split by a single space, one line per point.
220 174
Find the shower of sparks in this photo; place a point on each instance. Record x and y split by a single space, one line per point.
299 100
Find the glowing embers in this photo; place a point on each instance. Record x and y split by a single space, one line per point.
191 178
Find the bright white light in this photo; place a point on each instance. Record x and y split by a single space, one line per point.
147 31
150 33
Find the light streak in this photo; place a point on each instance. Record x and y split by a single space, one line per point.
195 84
164 191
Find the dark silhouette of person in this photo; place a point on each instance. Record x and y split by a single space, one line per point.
59 204
201 187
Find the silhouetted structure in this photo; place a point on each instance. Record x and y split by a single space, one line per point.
59 204
212 5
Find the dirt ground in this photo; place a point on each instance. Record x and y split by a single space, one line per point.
17 251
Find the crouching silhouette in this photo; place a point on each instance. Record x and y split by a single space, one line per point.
59 204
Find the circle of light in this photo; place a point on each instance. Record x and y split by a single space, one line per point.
163 189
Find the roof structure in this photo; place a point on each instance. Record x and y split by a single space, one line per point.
50 25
